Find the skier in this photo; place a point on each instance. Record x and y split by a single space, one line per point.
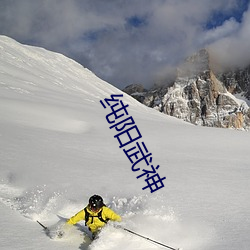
95 214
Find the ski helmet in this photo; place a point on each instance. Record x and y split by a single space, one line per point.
96 202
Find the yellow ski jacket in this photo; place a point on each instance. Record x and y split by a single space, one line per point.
94 223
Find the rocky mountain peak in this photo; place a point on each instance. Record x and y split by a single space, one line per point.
196 64
200 96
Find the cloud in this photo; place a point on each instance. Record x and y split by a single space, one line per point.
228 28
233 49
125 42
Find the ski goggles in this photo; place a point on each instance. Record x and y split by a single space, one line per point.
94 208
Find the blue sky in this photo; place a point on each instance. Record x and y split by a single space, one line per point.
218 17
131 41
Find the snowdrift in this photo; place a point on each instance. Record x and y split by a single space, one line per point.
57 150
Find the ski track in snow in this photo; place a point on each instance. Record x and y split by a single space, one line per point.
145 215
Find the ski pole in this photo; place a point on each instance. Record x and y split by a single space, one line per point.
150 239
45 228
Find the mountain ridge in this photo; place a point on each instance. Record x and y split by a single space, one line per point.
201 95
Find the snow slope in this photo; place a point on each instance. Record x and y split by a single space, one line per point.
57 150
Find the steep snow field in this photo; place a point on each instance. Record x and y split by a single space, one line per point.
57 149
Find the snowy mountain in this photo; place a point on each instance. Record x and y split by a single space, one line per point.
57 150
201 95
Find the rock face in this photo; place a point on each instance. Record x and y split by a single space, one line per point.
201 97
237 81
136 90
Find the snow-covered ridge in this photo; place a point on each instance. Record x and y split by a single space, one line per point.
34 66
35 74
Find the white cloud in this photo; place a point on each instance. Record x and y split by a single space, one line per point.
233 49
228 28
97 32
